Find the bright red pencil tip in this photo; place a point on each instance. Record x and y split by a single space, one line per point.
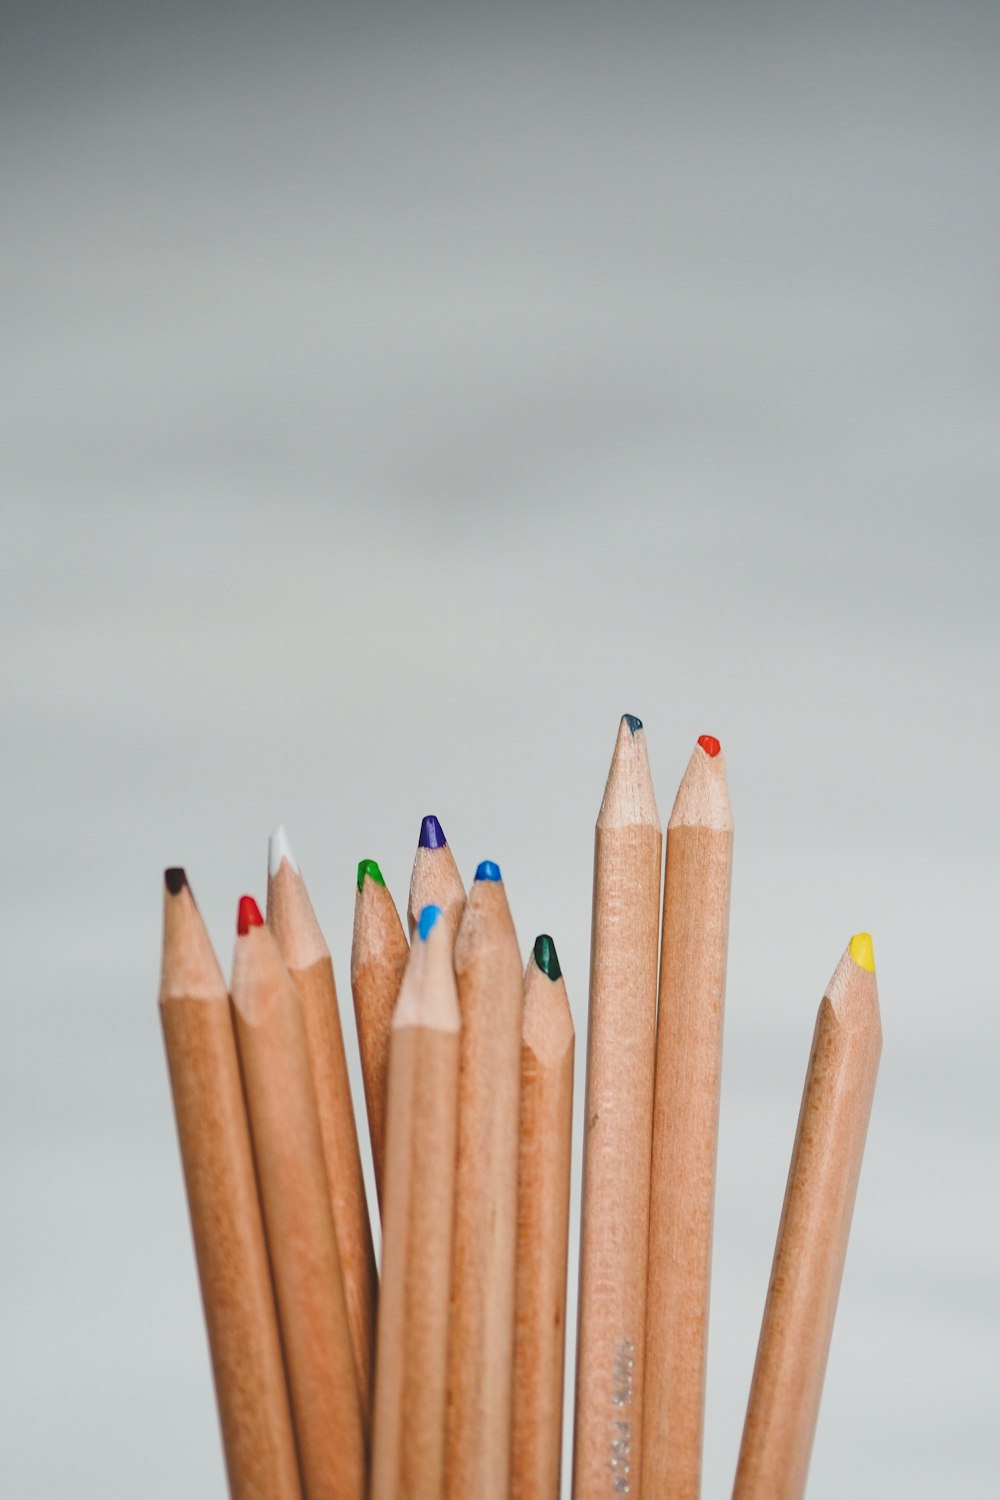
248 916
709 744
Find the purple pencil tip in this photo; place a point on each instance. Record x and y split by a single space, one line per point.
431 833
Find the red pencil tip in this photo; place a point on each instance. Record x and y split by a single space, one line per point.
709 744
248 916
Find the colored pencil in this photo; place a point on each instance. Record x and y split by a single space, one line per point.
435 880
229 1241
308 1281
490 981
618 1127
686 1123
812 1235
412 1364
542 1228
291 918
378 958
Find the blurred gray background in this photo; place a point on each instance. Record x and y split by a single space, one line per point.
392 398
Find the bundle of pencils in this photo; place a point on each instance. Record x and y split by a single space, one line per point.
444 1377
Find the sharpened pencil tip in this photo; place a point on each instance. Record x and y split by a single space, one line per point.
370 868
862 951
633 723
175 880
546 957
487 870
709 744
278 848
428 917
431 833
247 916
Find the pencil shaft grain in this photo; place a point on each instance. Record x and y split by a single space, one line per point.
685 1135
342 1157
292 919
435 881
412 1364
812 1241
617 1132
301 1236
378 958
228 1233
488 970
542 1239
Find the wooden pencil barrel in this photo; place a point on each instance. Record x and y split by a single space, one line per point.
685 1136
412 1377
480 1374
618 1120
542 1239
230 1247
341 1155
308 1281
812 1241
291 918
379 952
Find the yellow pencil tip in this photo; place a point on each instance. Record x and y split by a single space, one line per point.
862 951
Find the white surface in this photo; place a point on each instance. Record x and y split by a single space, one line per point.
389 404
278 848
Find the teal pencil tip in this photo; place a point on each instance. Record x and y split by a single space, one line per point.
546 957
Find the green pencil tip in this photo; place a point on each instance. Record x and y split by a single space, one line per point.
546 957
370 868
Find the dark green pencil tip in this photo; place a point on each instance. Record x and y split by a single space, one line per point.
370 868
546 957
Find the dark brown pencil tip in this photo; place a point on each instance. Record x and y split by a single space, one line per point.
175 880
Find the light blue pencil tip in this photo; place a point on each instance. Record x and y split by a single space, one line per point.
428 917
488 871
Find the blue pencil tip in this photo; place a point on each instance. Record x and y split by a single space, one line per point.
633 723
428 917
431 833
488 871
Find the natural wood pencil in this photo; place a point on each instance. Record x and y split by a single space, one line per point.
378 958
618 1122
435 880
686 1123
812 1235
308 1282
412 1364
229 1242
291 918
542 1228
488 970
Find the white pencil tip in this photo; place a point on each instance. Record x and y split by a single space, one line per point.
278 848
